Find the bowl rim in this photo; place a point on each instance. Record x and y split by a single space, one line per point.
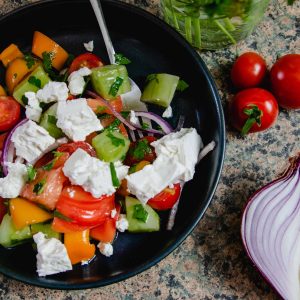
221 144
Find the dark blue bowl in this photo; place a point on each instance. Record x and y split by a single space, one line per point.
152 46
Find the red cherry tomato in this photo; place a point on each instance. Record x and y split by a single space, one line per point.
63 226
72 147
253 110
85 60
285 80
10 111
248 70
165 199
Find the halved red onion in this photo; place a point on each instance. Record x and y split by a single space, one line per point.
8 148
270 231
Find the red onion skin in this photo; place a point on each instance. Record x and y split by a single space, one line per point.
292 168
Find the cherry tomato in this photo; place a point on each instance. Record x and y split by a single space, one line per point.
99 106
165 199
253 110
10 111
285 80
248 70
63 226
85 60
141 150
72 147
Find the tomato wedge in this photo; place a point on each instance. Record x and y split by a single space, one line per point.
10 112
62 226
99 106
165 199
85 60
72 147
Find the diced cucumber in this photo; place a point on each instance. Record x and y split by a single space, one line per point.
160 89
46 229
25 86
9 235
134 225
48 121
103 78
111 146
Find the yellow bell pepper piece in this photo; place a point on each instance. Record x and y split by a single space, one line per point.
24 213
78 246
9 54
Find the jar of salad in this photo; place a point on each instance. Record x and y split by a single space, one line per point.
213 24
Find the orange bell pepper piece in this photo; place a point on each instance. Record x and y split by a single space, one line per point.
106 232
9 54
42 43
24 213
16 71
78 246
2 91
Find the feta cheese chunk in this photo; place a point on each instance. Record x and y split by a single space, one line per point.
77 82
113 213
122 223
132 99
31 141
133 118
76 119
152 179
33 110
184 146
52 256
11 185
121 170
89 46
168 113
106 249
53 91
89 172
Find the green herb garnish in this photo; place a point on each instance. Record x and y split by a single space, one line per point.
30 61
141 149
39 187
24 100
47 60
114 125
114 177
152 77
116 86
49 166
31 173
35 81
140 213
59 215
121 59
114 140
145 125
57 154
100 109
52 119
181 86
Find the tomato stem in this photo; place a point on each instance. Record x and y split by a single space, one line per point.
254 117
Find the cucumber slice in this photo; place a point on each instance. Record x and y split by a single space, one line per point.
111 146
134 225
24 86
160 89
103 78
46 229
48 121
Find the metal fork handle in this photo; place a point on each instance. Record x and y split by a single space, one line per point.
101 21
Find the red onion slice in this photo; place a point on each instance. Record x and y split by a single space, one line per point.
270 231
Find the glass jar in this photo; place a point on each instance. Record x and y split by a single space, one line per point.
213 24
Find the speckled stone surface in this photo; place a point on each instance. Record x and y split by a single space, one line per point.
211 263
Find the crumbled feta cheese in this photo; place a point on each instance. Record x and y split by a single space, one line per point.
77 82
53 91
184 146
122 223
33 110
133 118
52 256
89 172
106 249
132 99
11 185
152 179
113 213
76 119
168 113
89 46
121 170
31 141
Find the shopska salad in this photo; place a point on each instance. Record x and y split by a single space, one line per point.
74 171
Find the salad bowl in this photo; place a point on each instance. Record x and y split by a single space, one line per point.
153 47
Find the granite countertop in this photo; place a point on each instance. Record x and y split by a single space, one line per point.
211 263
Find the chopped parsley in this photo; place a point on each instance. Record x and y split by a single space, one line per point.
57 154
121 59
24 100
115 140
114 125
145 125
140 213
181 86
59 215
100 109
47 60
31 173
152 77
141 149
30 61
39 187
114 177
35 81
52 119
49 166
116 86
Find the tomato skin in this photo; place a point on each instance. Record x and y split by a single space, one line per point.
248 70
62 226
166 199
10 111
261 98
285 80
99 104
72 147
85 60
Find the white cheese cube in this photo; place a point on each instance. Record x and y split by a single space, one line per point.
89 46
33 110
121 170
76 119
106 249
122 223
52 256
53 91
77 82
168 113
31 141
132 99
